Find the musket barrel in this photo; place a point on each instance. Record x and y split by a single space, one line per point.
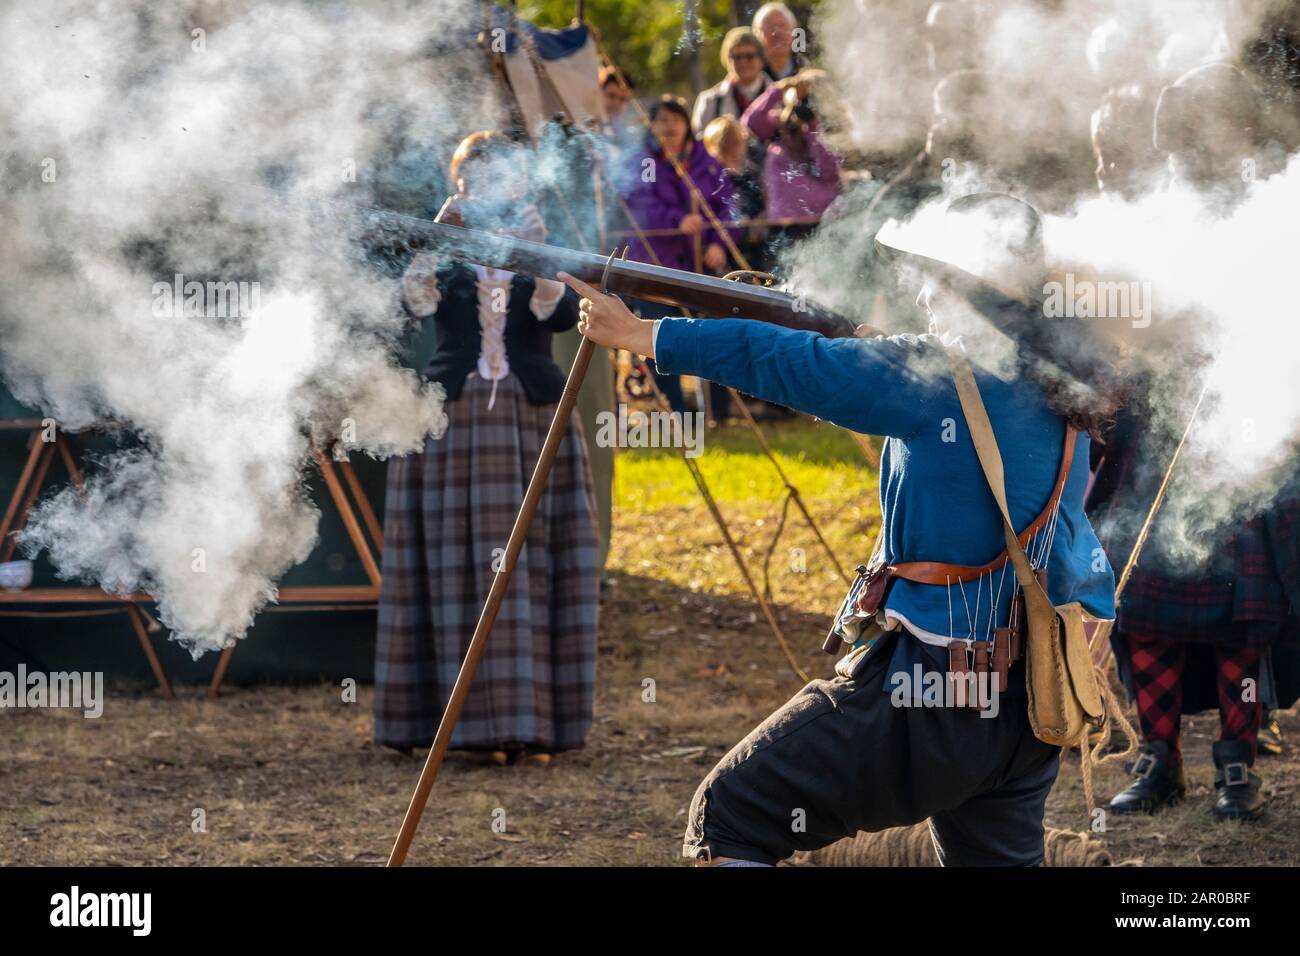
707 295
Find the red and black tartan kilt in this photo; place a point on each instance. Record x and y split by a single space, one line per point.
448 517
1192 626
1162 672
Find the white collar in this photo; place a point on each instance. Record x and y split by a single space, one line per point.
756 87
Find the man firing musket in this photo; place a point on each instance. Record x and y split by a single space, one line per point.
986 568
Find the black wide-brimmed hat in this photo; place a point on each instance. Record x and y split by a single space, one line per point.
986 247
989 249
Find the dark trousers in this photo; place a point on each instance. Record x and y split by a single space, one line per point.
720 399
839 757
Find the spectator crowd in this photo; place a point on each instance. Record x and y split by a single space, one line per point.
724 184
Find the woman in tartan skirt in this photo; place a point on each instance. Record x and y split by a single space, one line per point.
450 508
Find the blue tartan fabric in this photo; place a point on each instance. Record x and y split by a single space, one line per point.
448 517
1282 524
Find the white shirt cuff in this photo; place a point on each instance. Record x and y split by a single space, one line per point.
654 336
547 294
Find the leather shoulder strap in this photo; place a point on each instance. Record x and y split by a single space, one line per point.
986 447
937 572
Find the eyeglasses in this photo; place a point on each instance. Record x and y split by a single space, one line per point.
743 56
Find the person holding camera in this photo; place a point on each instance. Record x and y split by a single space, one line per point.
801 175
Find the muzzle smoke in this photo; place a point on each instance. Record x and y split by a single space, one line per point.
146 146
1207 281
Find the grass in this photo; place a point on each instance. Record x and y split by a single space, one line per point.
667 533
822 461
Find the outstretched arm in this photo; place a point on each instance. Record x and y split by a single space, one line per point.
878 385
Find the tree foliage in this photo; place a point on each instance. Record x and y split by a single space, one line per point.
650 40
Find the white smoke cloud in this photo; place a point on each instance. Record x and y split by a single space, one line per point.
1053 59
139 141
1217 286
1217 306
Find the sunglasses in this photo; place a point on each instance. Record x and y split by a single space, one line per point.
744 56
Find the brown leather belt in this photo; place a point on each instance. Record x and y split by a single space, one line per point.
936 572
875 588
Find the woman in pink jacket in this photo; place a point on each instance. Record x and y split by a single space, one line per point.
801 175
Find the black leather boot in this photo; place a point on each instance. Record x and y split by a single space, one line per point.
1159 781
1238 796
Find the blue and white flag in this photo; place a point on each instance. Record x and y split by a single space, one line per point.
568 57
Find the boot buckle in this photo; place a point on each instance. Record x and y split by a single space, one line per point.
1144 765
1235 774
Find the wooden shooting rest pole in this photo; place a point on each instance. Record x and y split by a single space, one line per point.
497 593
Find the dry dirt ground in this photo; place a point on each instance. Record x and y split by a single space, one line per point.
289 776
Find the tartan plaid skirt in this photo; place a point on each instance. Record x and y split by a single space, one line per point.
448 517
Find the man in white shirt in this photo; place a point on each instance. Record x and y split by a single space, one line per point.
783 39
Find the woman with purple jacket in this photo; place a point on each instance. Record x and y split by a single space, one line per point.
660 199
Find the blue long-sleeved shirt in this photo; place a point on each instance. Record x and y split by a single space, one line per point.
935 503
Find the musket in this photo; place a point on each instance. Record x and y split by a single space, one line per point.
705 295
